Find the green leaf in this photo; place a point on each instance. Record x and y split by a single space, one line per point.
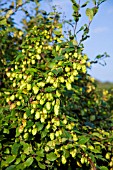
77 131
66 152
3 21
38 158
71 45
31 70
29 124
10 159
42 166
20 166
19 2
6 131
83 140
7 151
58 58
73 1
57 71
39 126
50 144
89 13
103 168
75 7
92 157
15 148
40 153
97 156
49 89
57 32
28 112
94 1
44 133
97 134
23 156
66 134
17 132
12 167
3 163
20 56
59 25
95 10
71 118
18 160
69 49
51 156
95 151
28 162
51 64
27 148
85 4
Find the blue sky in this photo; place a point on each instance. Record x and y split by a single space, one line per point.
101 35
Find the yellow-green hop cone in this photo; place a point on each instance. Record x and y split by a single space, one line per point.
18 103
67 69
88 64
32 111
68 85
73 153
48 105
51 136
63 159
42 119
35 89
56 110
82 160
37 115
28 87
57 48
26 135
108 155
12 97
34 131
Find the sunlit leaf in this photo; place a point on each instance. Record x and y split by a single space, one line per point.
83 140
41 165
19 2
51 156
10 159
15 148
103 168
89 13
11 167
28 162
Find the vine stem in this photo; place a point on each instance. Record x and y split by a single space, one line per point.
90 161
92 164
76 21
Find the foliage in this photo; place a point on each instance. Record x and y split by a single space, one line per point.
51 116
104 85
10 34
